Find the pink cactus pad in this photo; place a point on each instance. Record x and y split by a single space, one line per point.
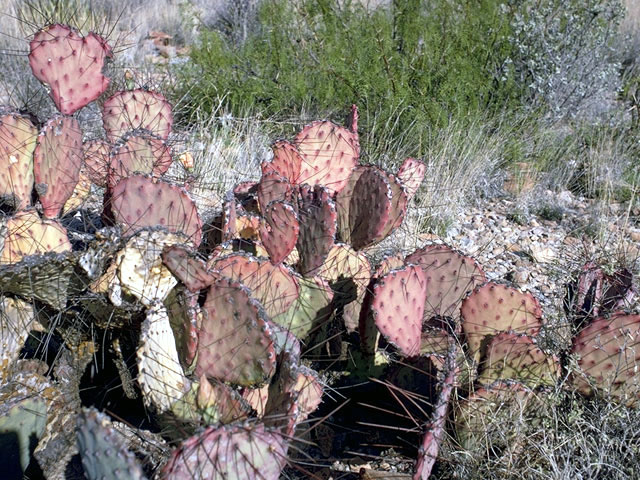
138 152
279 231
286 161
70 65
372 193
58 158
410 175
137 109
186 267
96 161
273 188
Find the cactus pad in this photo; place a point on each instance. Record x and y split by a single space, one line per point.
229 453
317 217
272 188
137 109
234 342
286 162
186 267
96 161
16 320
410 175
517 357
371 193
138 202
17 143
451 276
28 235
343 203
279 231
70 65
57 161
103 451
329 153
609 355
494 308
160 376
138 152
397 308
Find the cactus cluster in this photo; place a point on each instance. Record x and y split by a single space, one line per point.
222 320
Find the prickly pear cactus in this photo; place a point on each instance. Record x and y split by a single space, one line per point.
186 267
16 320
410 175
273 188
28 235
70 65
136 109
279 231
138 152
317 216
17 144
96 161
371 192
286 162
236 452
103 451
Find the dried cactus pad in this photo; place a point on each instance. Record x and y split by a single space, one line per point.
138 202
57 161
398 307
451 276
495 308
16 320
70 65
234 342
329 153
229 453
103 451
160 376
517 357
609 357
139 152
411 174
28 235
137 109
17 143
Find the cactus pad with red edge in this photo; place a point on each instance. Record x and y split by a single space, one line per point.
234 342
137 202
397 307
70 65
608 353
279 231
229 453
329 153
273 188
57 161
17 144
137 109
286 161
494 308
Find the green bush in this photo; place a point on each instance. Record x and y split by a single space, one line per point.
411 66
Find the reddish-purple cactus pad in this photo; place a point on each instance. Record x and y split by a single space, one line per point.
329 153
186 267
411 174
234 342
318 224
58 158
70 65
96 161
279 231
398 307
273 188
371 193
137 109
286 161
138 202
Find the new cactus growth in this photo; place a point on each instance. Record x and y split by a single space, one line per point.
137 109
138 202
17 144
57 163
70 65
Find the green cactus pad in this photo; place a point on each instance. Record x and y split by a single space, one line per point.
70 65
273 188
310 308
517 357
188 268
452 276
349 273
286 162
494 308
329 153
28 235
138 202
160 374
608 353
136 109
397 308
371 193
274 286
317 217
229 453
17 144
138 152
234 342
22 422
410 175
57 161
279 231
16 320
103 450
